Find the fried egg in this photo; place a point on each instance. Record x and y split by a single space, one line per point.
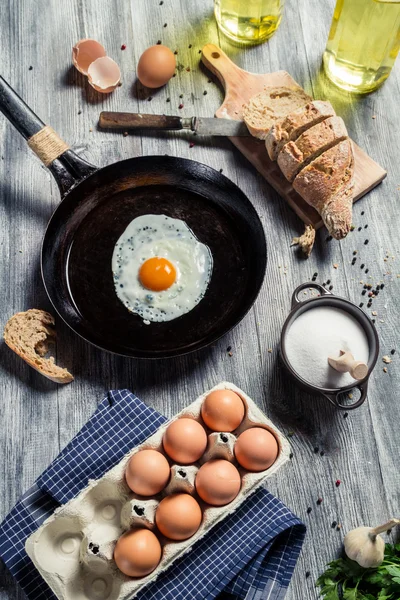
161 271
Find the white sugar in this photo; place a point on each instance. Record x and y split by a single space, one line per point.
321 332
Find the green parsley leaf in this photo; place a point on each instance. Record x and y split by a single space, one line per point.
331 595
392 570
344 579
350 594
326 580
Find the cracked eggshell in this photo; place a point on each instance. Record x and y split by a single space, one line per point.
104 74
85 52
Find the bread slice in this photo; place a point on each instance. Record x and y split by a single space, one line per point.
313 142
327 185
295 123
271 105
29 334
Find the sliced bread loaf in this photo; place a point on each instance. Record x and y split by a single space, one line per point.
29 334
313 142
271 105
295 123
327 185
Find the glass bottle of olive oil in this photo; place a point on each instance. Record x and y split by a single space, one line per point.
248 21
363 43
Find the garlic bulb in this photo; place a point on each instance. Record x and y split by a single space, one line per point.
365 545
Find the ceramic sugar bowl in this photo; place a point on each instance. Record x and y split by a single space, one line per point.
323 331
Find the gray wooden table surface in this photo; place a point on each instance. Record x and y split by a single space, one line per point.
37 417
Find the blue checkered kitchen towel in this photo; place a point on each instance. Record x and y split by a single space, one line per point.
250 555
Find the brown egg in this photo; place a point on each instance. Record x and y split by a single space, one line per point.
137 552
218 482
178 517
222 410
156 66
147 472
185 441
256 449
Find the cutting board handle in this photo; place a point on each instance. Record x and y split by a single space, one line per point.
220 65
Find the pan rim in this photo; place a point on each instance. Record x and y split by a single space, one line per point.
197 345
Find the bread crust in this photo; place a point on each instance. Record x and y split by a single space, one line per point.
295 155
327 185
294 124
28 334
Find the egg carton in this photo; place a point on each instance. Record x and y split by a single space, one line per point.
73 549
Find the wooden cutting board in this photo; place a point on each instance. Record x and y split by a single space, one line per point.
239 86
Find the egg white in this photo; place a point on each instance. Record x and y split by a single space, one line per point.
149 236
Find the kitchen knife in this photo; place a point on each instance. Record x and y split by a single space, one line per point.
199 125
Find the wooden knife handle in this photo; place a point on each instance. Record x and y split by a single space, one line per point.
121 120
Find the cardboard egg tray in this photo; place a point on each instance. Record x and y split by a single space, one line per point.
73 549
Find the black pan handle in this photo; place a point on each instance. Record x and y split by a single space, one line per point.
334 397
67 167
310 284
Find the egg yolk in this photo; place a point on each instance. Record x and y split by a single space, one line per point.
157 274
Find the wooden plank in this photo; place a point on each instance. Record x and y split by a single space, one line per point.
240 86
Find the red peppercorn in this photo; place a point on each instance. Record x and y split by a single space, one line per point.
180 106
123 47
338 482
191 144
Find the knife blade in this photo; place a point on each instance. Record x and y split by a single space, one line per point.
226 127
199 125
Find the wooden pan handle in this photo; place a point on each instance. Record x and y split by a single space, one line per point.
219 64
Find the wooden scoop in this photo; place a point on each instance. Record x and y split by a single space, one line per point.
347 364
